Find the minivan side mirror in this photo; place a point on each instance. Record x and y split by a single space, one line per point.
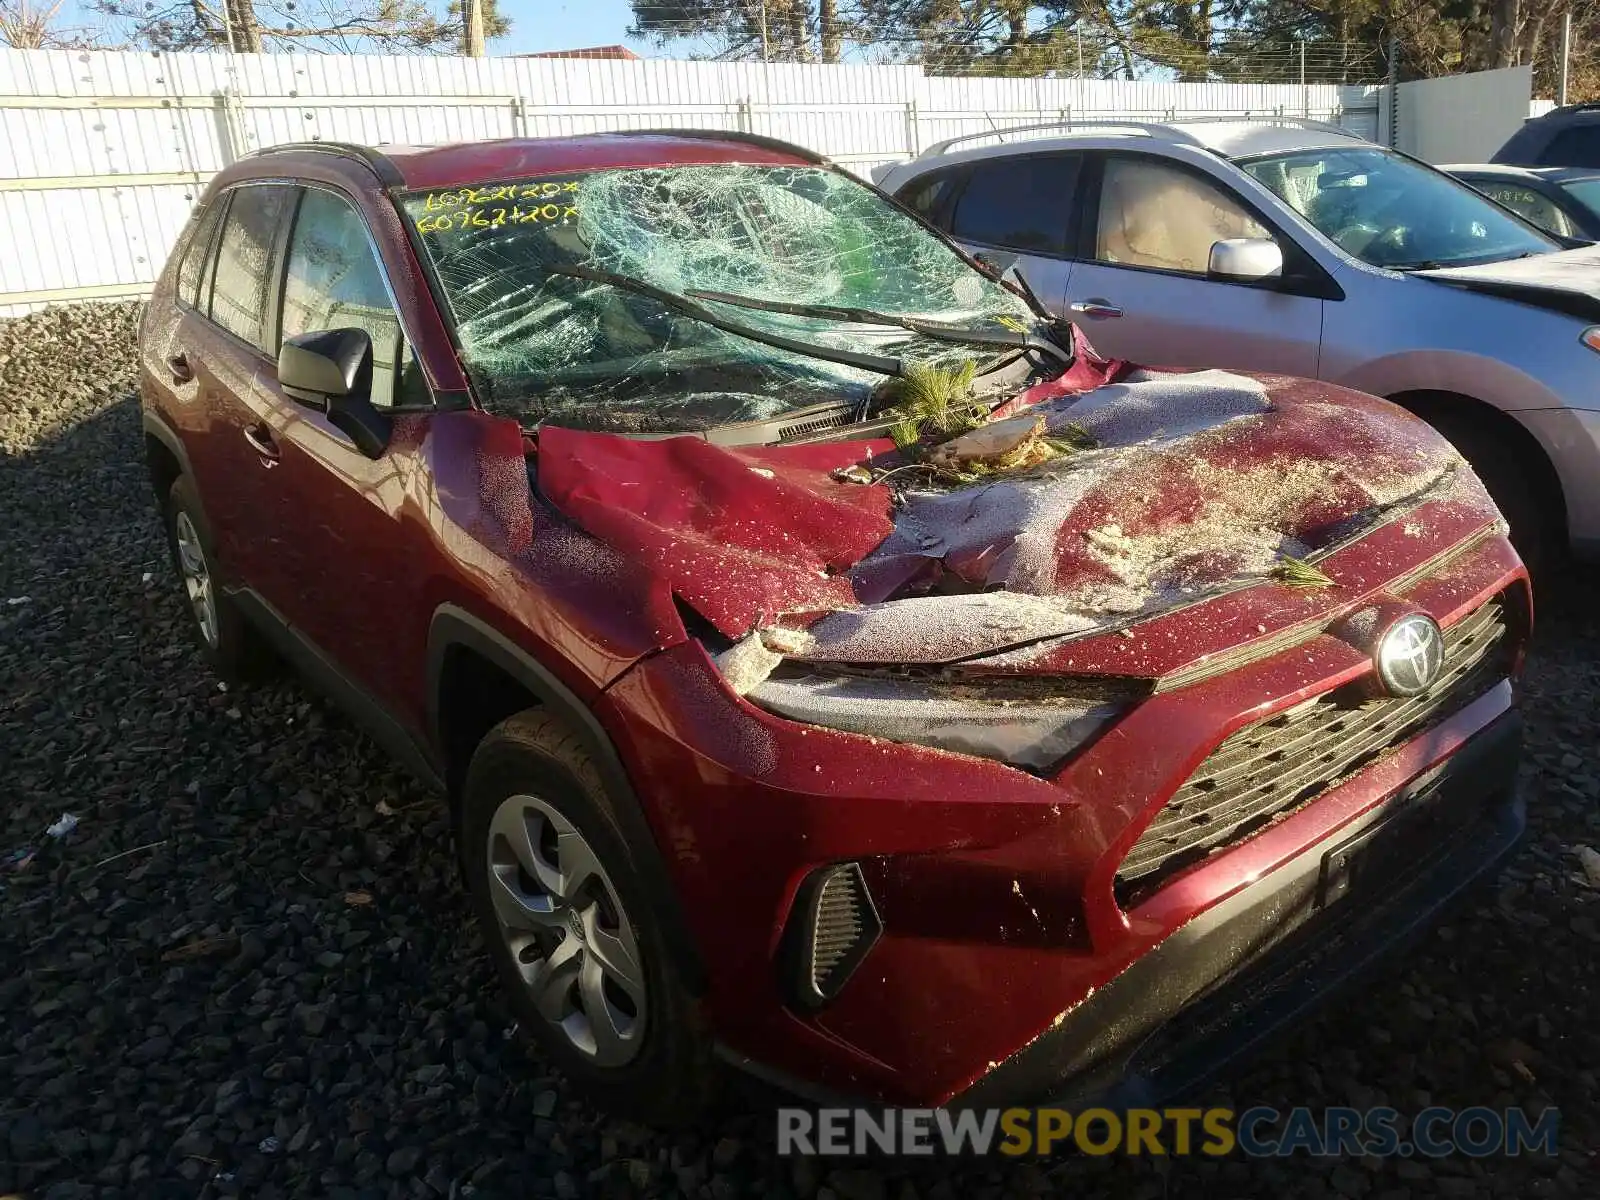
331 371
1245 260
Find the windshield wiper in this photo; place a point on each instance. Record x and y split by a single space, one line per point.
1433 264
878 363
866 316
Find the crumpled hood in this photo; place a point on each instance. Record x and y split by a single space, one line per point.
1566 281
1195 484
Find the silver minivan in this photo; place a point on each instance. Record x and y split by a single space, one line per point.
1295 247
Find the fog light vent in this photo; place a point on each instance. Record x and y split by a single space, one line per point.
831 928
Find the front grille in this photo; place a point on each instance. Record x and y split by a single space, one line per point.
1270 769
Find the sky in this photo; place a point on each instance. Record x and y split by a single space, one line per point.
535 24
566 24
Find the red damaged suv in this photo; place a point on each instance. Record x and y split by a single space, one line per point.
834 667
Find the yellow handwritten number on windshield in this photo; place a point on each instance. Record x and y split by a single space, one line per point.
497 216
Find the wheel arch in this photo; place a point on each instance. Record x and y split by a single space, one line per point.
164 455
1442 409
457 637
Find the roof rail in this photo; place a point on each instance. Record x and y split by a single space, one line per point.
1266 119
1152 128
1581 106
729 135
1171 131
388 174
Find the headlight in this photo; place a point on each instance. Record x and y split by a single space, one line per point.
1590 337
1030 732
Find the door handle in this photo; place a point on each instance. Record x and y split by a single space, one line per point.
260 439
1097 308
182 372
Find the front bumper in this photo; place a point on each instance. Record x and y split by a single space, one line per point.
997 892
1243 970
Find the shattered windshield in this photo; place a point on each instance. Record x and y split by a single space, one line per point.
589 352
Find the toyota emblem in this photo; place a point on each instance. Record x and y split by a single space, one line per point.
1411 655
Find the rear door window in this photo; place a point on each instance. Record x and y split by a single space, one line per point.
240 293
1020 204
198 255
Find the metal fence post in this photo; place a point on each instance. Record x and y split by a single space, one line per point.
1566 56
233 137
1394 93
1305 93
913 130
742 116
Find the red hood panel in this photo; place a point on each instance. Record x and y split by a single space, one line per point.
740 535
1198 484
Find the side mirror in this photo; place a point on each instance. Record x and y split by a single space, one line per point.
330 362
1245 260
331 371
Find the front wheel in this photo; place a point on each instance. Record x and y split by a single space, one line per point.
578 947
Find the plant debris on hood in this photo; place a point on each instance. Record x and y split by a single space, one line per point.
1071 511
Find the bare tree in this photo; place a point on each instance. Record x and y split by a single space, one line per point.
28 26
337 26
780 30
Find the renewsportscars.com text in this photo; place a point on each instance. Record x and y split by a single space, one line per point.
1213 1132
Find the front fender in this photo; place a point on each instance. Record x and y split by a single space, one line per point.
1493 381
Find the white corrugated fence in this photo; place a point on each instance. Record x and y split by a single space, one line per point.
102 153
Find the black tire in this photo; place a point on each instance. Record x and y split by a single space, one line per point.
236 651
1517 485
670 1078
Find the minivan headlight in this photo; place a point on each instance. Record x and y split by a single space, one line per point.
1028 732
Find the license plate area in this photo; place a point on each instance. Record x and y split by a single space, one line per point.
1417 825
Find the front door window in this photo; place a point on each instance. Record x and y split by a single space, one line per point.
1161 216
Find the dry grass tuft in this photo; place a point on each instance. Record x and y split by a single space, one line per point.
1297 572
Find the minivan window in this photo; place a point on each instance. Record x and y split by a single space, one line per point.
1527 204
1394 212
1574 146
198 255
1018 204
244 260
1585 191
1160 216
927 196
333 281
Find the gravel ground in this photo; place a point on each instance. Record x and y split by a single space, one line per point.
248 971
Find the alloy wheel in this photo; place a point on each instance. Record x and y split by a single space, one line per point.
196 578
564 925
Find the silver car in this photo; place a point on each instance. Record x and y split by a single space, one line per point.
1295 247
